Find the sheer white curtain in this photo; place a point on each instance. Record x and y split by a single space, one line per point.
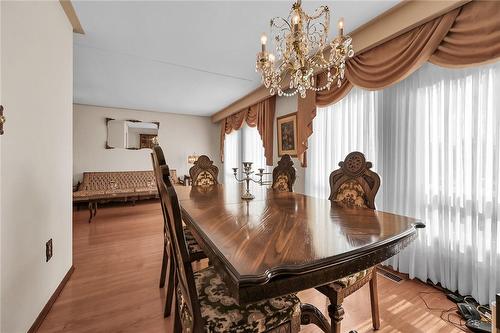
434 140
252 147
242 146
346 126
232 155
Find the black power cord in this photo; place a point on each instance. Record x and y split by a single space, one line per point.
446 314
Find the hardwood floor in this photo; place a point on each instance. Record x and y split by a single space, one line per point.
114 287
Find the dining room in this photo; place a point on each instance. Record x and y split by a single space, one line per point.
249 166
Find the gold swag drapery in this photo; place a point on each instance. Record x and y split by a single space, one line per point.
466 36
260 115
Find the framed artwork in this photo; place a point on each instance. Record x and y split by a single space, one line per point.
287 134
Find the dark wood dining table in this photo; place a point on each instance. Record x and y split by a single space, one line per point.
284 242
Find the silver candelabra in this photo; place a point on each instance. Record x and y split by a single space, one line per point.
247 170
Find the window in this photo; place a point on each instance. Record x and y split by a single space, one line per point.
434 140
244 145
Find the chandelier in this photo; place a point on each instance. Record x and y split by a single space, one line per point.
302 51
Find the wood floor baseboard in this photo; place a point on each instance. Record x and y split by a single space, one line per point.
52 299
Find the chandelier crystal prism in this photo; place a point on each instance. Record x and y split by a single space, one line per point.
302 51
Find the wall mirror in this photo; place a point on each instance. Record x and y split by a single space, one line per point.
131 134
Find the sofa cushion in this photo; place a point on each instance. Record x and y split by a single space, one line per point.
117 180
109 185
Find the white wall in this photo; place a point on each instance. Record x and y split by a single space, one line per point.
179 136
286 105
36 157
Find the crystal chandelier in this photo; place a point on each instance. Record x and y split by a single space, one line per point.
303 51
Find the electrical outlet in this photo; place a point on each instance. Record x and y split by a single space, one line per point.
48 250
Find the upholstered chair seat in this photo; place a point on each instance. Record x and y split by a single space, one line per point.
195 251
221 312
352 279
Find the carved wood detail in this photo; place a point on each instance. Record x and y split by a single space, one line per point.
309 314
203 171
219 217
162 173
354 171
188 308
356 168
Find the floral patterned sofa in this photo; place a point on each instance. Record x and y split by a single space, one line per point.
114 186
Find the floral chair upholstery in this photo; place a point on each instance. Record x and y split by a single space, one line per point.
203 172
204 179
221 312
281 184
284 175
352 279
195 250
351 195
353 186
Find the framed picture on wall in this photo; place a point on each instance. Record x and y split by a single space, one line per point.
287 134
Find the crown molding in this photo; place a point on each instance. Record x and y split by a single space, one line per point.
390 24
69 10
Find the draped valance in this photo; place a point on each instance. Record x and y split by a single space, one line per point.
260 115
466 36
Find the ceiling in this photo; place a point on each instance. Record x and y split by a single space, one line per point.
187 57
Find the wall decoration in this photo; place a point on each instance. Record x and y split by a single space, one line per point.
287 134
131 134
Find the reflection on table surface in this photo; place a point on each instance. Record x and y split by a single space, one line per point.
283 229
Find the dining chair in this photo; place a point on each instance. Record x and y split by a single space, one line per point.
204 172
161 170
353 185
204 303
284 175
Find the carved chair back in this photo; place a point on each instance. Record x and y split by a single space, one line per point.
187 298
161 161
204 172
161 170
354 185
284 175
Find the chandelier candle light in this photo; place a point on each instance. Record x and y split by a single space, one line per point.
247 170
302 52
